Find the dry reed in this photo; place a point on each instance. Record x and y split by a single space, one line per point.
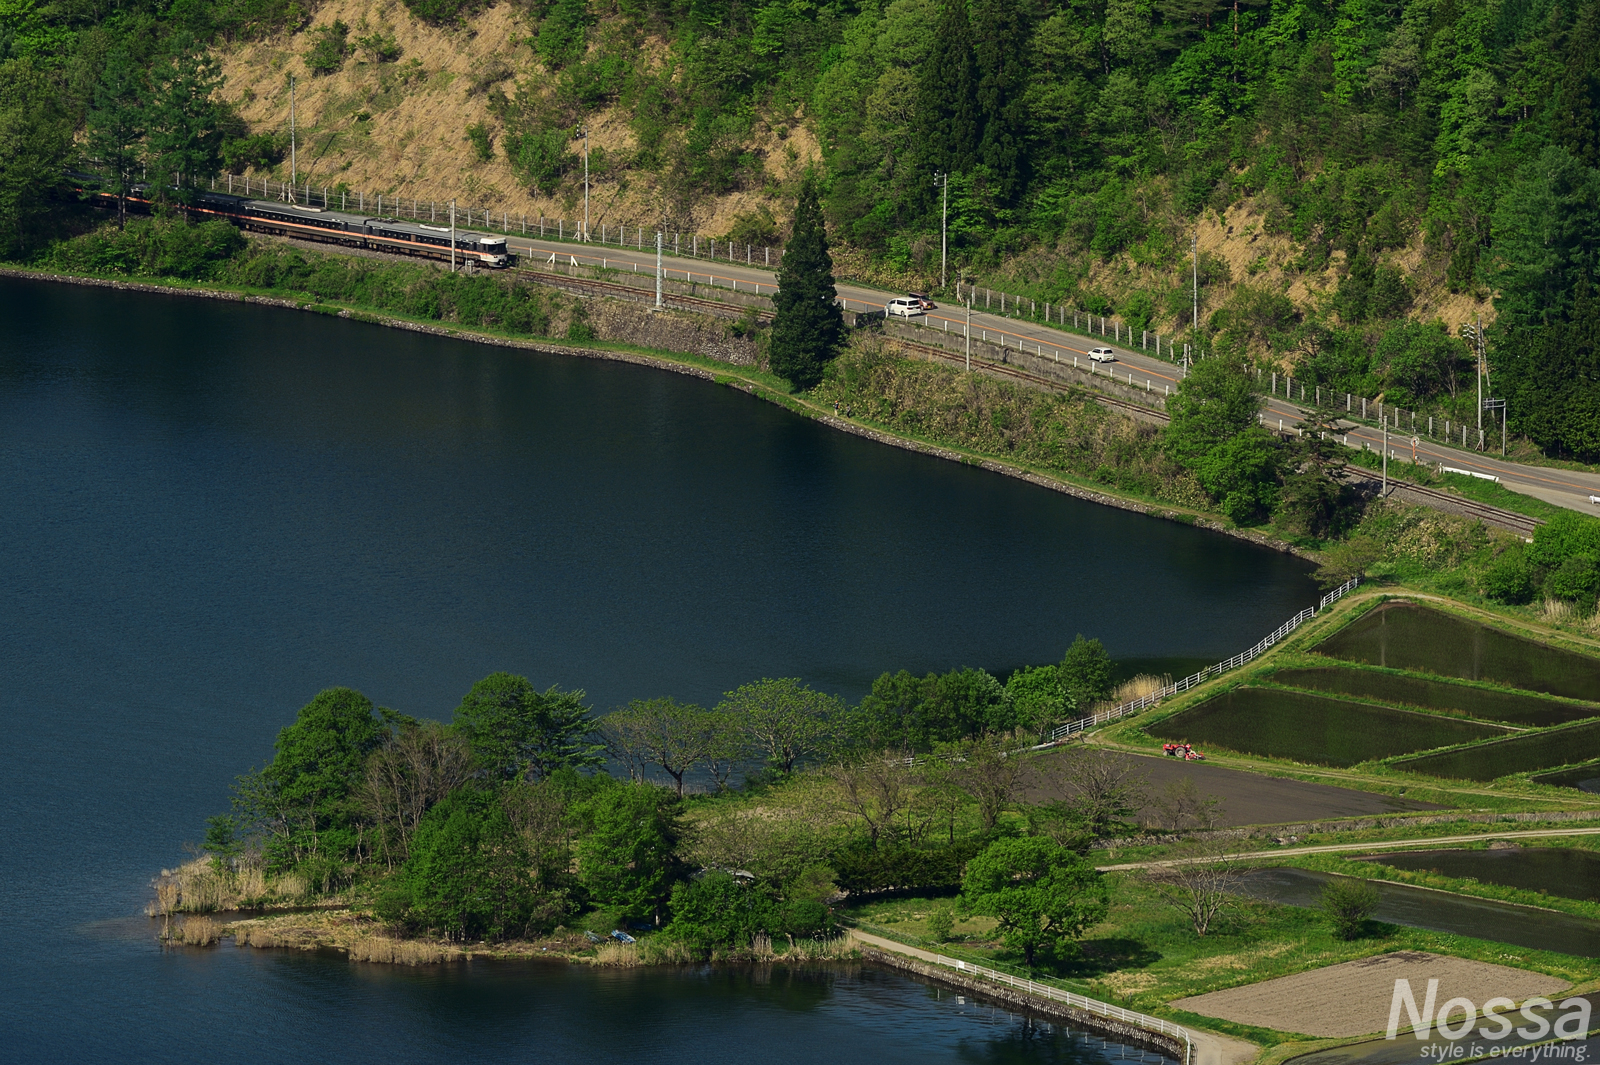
1559 612
196 932
384 950
618 955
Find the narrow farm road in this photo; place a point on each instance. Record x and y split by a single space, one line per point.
1345 848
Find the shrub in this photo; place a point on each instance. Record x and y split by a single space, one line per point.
1509 578
379 48
152 247
442 11
482 141
940 921
1576 580
257 150
716 912
1349 904
540 158
331 47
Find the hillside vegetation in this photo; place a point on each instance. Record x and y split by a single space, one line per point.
1362 178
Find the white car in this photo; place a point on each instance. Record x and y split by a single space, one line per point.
904 307
1102 355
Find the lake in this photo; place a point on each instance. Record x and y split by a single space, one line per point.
213 511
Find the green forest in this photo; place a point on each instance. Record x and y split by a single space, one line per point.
1462 133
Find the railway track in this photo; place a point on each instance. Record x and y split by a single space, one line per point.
1506 519
1053 383
583 284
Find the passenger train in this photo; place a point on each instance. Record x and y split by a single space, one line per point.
340 227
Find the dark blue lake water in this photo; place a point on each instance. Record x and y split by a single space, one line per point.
210 512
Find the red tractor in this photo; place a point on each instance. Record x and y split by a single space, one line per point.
1185 751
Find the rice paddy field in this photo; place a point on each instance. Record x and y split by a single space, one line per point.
1302 727
1404 635
1521 754
1584 777
1487 704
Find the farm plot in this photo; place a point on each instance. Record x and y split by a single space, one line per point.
1406 636
1566 871
1584 777
1247 798
1484 703
1352 998
1302 727
1487 761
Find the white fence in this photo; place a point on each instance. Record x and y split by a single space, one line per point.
1123 710
1088 1005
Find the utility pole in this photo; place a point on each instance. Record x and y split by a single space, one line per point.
1194 318
452 236
1474 334
294 161
943 181
658 270
969 331
1385 493
585 132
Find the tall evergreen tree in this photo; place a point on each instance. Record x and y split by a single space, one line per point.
1553 380
807 325
116 124
1002 33
35 135
949 122
185 123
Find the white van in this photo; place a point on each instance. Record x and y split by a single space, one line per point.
904 307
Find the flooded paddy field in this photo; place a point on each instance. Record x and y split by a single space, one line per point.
1303 727
1566 871
1520 754
1406 636
1487 704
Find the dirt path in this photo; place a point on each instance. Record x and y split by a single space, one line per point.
1377 845
1209 1048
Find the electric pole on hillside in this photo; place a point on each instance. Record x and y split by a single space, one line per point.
452 236
1194 313
658 269
294 175
584 132
1474 335
942 180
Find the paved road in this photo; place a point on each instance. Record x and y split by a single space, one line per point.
1567 488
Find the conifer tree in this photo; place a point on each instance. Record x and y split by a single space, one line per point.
115 124
808 325
1001 36
948 118
185 122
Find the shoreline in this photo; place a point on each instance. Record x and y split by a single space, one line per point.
732 378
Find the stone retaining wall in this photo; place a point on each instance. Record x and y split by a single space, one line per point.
1031 1004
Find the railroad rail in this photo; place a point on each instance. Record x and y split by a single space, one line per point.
567 281
1054 383
1506 519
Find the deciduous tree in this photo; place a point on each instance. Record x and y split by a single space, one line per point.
517 731
782 720
1041 895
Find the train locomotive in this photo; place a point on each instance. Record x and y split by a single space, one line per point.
352 230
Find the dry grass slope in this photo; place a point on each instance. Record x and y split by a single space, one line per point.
400 128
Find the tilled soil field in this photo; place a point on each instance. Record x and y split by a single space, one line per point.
1249 799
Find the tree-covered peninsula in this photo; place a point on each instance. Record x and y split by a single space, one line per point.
527 815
